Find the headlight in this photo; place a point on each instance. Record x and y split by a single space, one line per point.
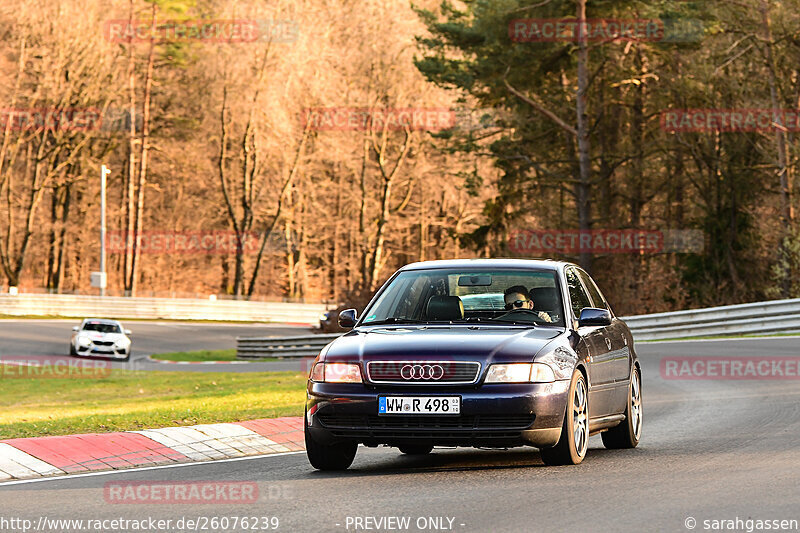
84 340
520 373
336 373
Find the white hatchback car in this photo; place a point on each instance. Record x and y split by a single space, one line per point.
101 338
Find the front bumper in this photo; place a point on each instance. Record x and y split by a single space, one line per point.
101 351
497 415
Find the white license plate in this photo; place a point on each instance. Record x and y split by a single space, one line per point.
419 405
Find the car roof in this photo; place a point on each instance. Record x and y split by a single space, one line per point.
540 264
103 321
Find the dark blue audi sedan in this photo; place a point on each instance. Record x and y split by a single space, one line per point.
485 353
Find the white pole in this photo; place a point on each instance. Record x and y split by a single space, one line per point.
103 173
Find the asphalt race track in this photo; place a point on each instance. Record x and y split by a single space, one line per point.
711 450
51 338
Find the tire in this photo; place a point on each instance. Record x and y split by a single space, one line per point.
629 431
571 447
416 449
329 457
127 357
72 351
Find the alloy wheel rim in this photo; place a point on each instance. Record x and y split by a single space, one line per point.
636 405
580 419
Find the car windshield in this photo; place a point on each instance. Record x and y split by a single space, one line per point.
444 295
101 327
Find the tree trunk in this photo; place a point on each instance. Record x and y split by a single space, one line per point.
287 184
362 216
786 207
582 192
333 279
131 174
148 89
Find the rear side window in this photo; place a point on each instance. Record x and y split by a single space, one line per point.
594 292
577 295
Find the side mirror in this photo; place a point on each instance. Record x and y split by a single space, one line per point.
127 332
592 316
347 318
76 328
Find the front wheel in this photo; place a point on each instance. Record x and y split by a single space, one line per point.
329 456
629 431
574 441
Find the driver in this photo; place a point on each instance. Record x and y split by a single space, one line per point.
518 297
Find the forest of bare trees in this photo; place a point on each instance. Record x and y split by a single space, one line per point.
221 135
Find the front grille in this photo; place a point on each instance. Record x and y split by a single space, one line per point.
423 371
469 423
103 343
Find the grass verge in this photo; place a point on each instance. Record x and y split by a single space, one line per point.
132 400
207 355
201 355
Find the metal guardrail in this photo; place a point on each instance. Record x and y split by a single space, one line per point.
67 305
777 316
755 318
302 346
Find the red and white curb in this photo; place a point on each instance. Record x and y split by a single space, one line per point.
51 456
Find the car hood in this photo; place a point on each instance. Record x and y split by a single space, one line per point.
98 336
458 343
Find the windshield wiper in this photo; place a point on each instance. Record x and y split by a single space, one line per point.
516 322
395 320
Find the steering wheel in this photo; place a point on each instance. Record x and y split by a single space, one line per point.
510 314
533 312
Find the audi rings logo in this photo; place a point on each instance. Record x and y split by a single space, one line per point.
432 372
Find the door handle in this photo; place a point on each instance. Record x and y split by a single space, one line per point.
608 343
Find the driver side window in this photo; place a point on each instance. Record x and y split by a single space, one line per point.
577 295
